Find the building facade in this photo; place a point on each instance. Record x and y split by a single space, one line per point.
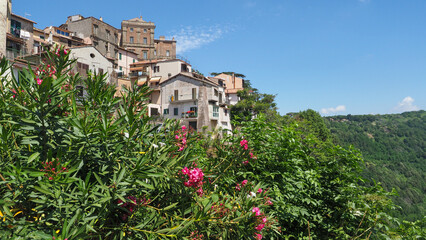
104 37
90 58
5 15
196 101
19 39
138 36
233 85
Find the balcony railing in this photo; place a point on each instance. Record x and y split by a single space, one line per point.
215 114
189 115
11 53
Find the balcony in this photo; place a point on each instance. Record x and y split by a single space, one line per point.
12 54
189 114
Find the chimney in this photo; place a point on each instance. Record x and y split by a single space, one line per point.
162 38
101 19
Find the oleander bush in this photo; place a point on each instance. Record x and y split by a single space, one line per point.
92 166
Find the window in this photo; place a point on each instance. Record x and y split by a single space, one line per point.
193 109
131 29
108 34
145 55
155 52
145 40
226 112
156 69
134 60
145 30
216 93
176 95
215 111
42 37
121 68
168 53
106 47
194 94
101 71
15 28
131 40
116 38
166 111
95 29
119 56
175 111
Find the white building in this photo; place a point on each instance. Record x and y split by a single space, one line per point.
89 58
195 100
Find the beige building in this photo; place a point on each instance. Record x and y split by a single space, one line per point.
233 85
138 36
125 58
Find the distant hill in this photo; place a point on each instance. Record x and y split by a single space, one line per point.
394 149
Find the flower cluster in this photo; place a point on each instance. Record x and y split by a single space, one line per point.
195 177
196 236
44 71
243 183
181 138
260 221
53 169
131 205
244 145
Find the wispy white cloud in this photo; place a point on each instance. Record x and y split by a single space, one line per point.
340 108
190 37
406 105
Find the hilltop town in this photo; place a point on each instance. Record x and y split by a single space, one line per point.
128 56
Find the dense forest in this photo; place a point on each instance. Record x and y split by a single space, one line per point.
394 150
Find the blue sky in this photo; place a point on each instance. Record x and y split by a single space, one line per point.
333 56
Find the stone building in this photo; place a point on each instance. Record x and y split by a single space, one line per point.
5 15
19 39
138 35
104 37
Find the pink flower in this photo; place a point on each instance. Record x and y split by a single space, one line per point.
39 81
256 210
245 162
176 136
65 52
244 182
269 202
183 128
238 188
264 220
258 236
50 178
251 154
187 184
259 190
180 149
245 147
243 142
260 227
185 171
200 191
